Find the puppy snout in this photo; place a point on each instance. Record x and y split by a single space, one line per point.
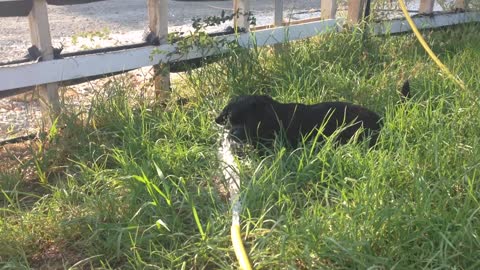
220 120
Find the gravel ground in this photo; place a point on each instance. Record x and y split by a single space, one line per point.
123 22
110 23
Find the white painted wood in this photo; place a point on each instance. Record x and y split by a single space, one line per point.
328 9
278 15
94 64
104 63
426 6
401 25
158 24
40 36
293 32
87 65
243 8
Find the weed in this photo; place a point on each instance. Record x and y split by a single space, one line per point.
139 185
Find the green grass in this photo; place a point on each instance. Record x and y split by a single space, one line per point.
138 186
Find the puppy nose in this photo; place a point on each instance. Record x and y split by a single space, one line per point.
220 120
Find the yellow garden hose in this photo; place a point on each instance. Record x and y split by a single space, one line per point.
239 249
237 242
230 172
426 47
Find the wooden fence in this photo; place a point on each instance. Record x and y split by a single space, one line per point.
46 75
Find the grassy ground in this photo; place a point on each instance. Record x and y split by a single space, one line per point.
139 186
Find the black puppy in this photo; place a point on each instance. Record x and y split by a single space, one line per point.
258 119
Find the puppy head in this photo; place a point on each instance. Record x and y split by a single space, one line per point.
243 116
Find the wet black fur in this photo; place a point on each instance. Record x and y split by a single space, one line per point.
259 119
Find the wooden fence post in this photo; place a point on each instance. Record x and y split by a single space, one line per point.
241 20
277 22
426 6
278 15
158 24
460 5
40 36
355 11
328 9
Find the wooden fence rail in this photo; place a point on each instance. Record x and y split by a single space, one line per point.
47 73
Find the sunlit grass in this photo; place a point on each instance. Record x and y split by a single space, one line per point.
139 186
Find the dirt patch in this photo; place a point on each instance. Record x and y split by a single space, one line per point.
16 159
54 255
